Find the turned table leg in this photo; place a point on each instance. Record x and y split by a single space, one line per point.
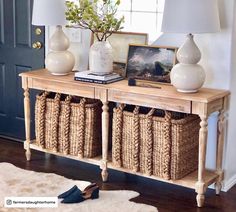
105 138
200 185
27 123
219 154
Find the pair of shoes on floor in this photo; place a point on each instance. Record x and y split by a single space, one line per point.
75 195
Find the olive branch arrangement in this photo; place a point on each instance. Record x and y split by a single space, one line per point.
95 15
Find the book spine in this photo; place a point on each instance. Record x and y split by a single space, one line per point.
94 77
97 81
89 80
114 80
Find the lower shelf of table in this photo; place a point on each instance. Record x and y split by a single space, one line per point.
188 181
95 160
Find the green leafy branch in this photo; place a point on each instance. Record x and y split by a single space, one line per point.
95 15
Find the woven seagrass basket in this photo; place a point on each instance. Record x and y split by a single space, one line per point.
184 146
154 142
60 122
83 127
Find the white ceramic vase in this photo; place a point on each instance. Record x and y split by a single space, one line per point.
188 76
100 57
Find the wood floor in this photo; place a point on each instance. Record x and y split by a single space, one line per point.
161 195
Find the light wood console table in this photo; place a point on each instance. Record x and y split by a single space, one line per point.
203 103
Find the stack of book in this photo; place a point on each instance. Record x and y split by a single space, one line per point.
101 78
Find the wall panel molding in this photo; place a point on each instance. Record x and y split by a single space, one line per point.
2 89
1 23
22 33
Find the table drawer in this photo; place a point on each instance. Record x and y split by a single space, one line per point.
79 90
150 101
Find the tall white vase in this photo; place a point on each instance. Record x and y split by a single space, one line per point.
188 76
100 57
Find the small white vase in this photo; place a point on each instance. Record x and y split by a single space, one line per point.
188 76
100 57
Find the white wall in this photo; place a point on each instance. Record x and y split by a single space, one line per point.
230 157
218 53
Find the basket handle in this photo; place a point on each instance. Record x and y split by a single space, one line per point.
121 107
151 112
136 139
57 96
168 116
41 118
136 110
67 125
44 95
81 130
117 136
149 143
82 101
68 99
167 145
55 120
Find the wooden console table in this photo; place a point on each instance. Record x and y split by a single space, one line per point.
203 103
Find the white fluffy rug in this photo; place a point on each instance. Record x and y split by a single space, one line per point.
22 183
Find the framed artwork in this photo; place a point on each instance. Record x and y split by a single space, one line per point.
120 42
152 63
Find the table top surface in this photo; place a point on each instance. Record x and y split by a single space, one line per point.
166 91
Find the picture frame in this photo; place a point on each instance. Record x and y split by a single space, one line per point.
151 63
120 42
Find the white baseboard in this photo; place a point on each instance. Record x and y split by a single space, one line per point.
226 185
229 183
